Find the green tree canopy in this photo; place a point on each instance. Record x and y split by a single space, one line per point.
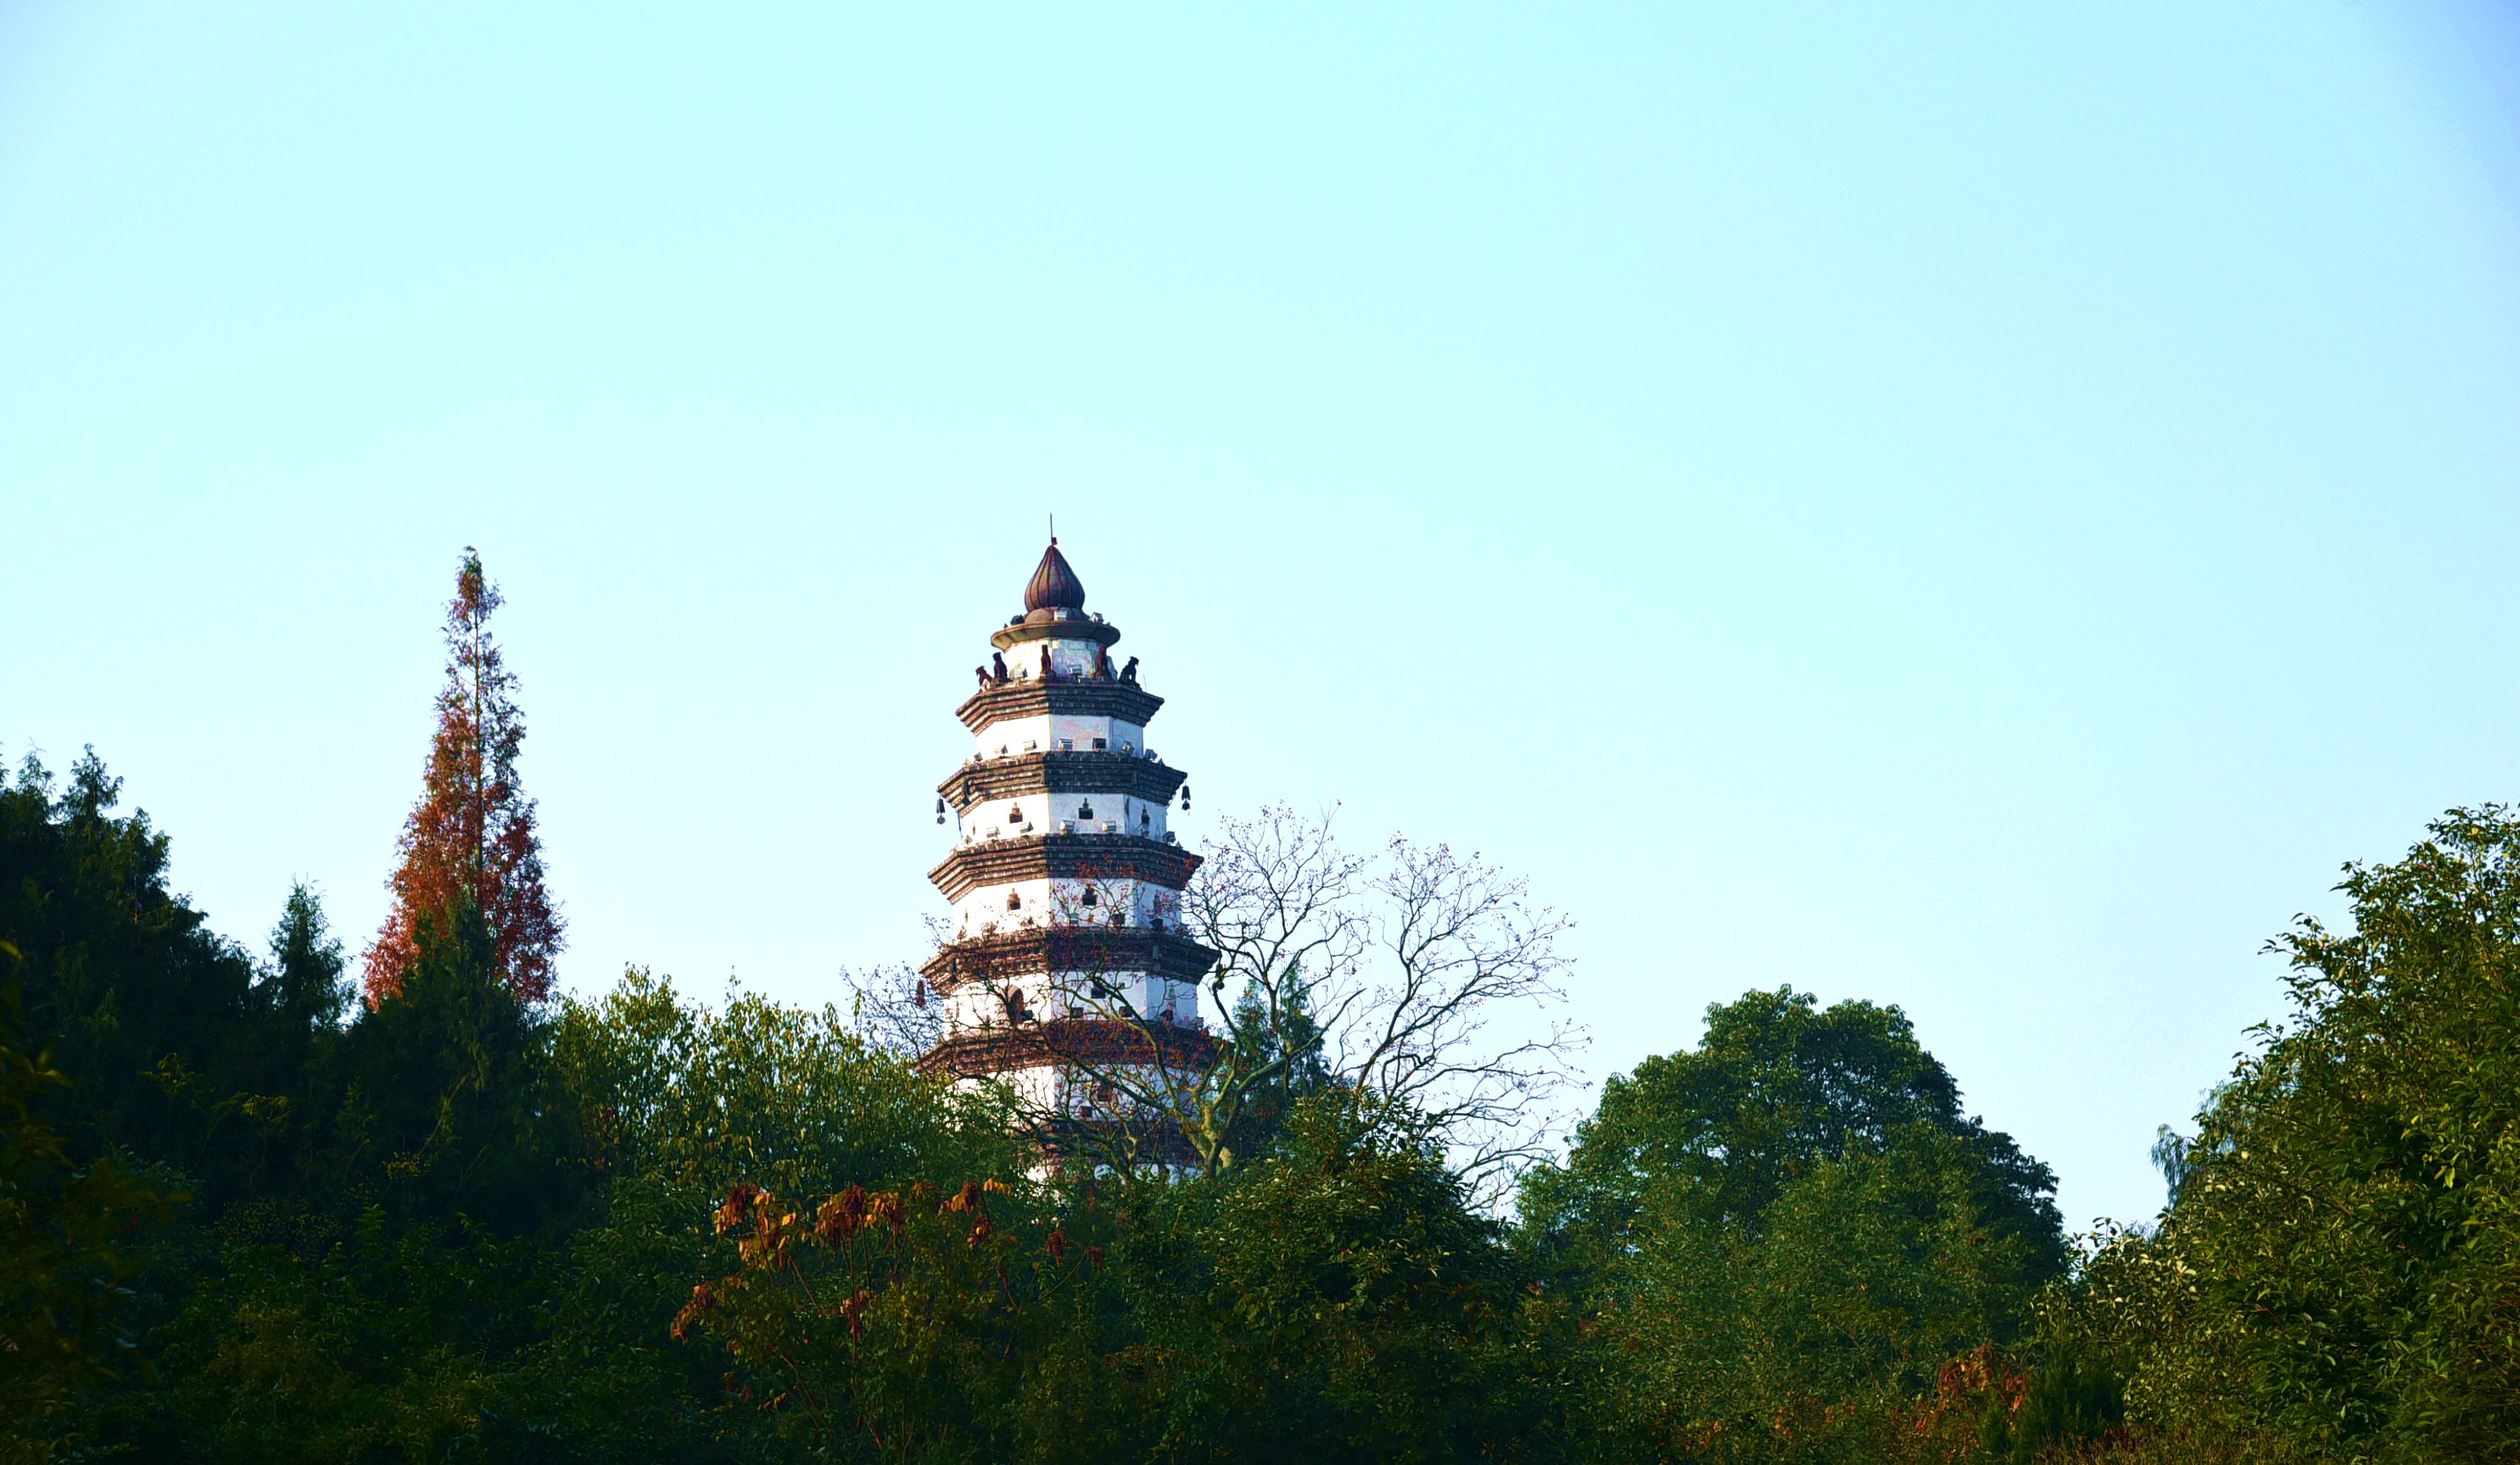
1332 1299
1776 1086
2340 1271
146 1009
1784 1240
63 1265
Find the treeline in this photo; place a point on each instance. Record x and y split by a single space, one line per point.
248 1213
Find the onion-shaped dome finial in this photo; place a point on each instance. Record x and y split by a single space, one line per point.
1054 583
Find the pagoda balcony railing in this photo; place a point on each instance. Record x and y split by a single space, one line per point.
1032 749
1065 828
1054 674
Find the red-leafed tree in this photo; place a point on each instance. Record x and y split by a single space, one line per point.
473 832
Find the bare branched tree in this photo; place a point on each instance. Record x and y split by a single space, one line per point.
1452 1030
893 1009
1421 983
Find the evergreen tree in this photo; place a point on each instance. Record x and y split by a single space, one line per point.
64 1273
1294 1037
144 1007
449 1089
305 986
472 834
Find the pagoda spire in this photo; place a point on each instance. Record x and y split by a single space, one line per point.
1053 584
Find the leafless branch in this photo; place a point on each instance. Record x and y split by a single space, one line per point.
1421 982
1456 1034
893 1010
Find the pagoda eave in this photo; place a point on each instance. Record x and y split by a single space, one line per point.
1070 1041
1101 632
1062 856
1075 697
1131 774
1087 950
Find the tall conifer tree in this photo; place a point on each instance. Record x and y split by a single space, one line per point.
473 831
306 987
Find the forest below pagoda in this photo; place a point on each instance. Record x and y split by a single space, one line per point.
342 1196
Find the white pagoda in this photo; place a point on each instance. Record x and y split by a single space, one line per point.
1068 975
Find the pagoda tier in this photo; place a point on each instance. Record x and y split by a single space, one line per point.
1064 1043
1089 953
1086 770
1063 855
1074 696
1067 966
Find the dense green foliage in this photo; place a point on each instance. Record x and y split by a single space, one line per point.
61 1267
242 1219
1335 1300
455 1227
2339 1276
1784 1236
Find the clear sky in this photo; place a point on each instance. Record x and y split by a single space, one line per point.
1976 507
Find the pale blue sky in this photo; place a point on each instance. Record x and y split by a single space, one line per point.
1975 509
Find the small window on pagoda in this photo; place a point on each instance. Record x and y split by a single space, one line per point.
1100 744
1017 1011
1119 918
1085 810
1105 1091
1088 899
1015 813
1014 900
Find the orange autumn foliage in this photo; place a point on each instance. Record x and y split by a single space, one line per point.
473 831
